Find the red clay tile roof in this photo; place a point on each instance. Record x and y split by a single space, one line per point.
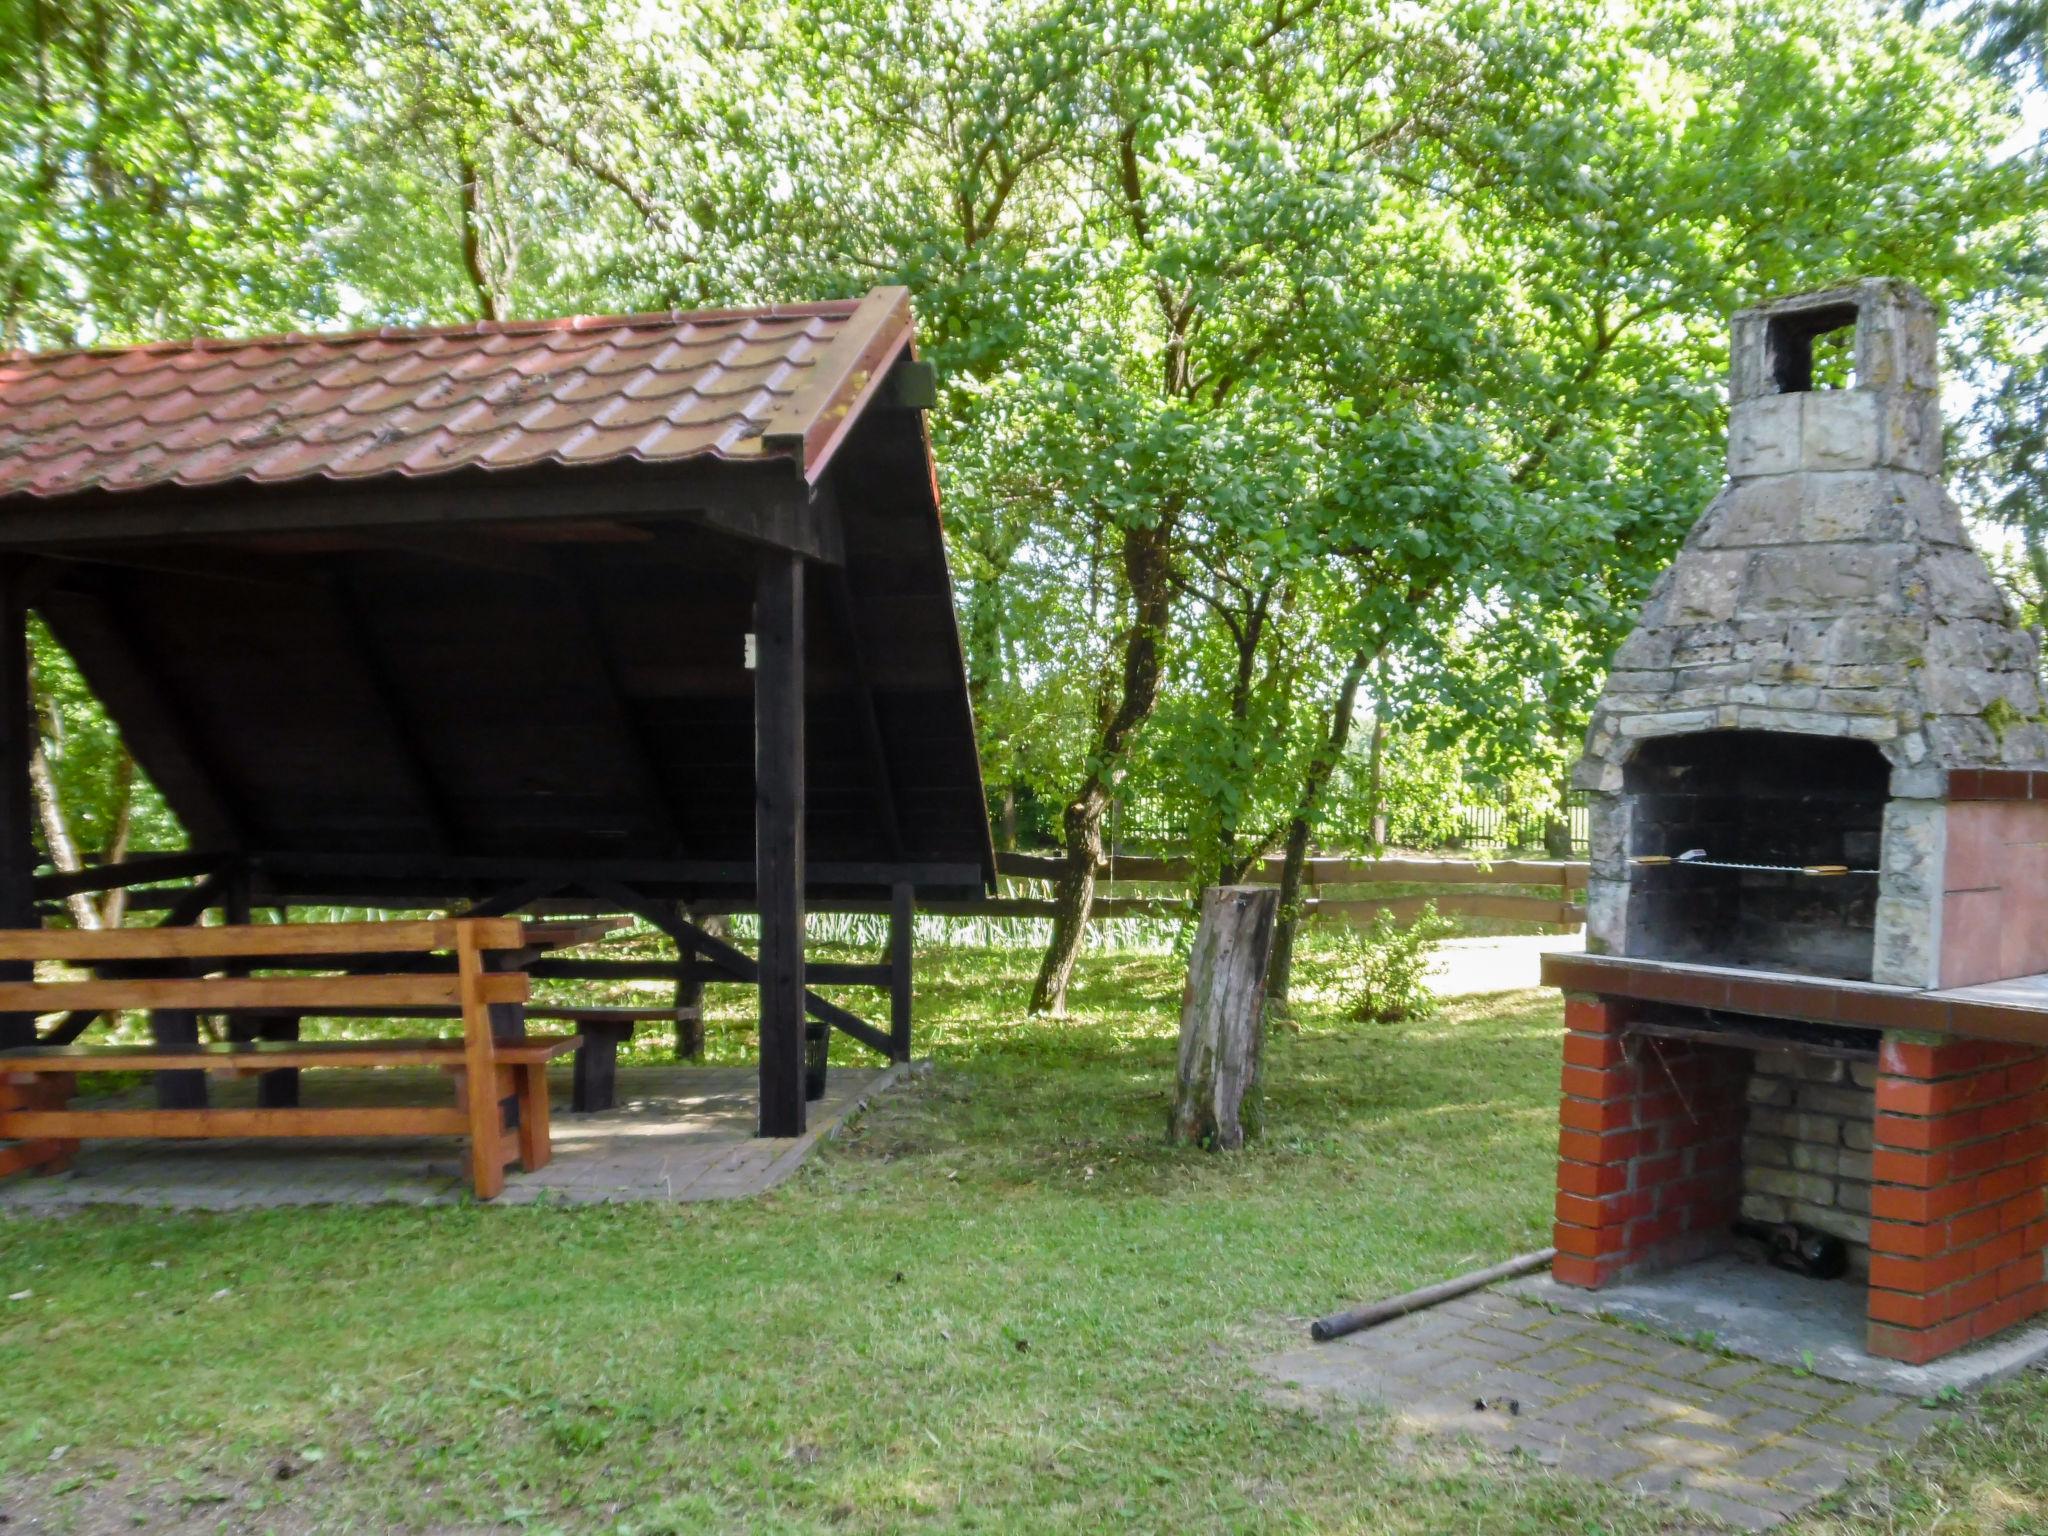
742 384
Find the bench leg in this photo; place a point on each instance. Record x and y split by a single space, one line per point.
45 1154
486 1142
689 1007
595 1084
278 1089
535 1150
177 1090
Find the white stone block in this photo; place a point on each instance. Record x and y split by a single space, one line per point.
1763 436
1840 429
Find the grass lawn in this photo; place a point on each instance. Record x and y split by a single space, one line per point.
999 1303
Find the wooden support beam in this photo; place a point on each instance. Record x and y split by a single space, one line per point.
689 1002
278 1089
881 781
734 964
902 926
512 898
177 1090
142 869
779 836
17 802
817 973
311 868
190 906
390 722
635 746
760 503
92 627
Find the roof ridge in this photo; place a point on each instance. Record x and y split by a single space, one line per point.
642 319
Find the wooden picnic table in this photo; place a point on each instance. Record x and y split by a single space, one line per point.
386 968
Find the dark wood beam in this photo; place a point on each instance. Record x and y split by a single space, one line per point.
875 750
278 1089
186 909
207 562
426 869
512 898
636 749
179 1026
390 721
817 973
779 836
142 869
91 626
902 932
17 800
732 963
765 504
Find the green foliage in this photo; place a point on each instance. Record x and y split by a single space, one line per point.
1381 968
1385 334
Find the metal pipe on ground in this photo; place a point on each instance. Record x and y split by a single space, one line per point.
1337 1324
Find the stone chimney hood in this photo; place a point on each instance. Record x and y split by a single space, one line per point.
1830 593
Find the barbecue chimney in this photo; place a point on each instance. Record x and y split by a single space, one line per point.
1826 666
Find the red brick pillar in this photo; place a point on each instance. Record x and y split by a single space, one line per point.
1649 1148
1957 1230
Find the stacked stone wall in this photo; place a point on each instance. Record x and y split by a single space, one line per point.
1807 1146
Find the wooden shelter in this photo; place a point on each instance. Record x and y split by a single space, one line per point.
638 612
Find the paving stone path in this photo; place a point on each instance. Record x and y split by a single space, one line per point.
1736 1440
678 1134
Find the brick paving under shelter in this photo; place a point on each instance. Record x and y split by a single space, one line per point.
1737 1440
678 1133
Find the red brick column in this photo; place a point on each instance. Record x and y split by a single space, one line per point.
1649 1149
1957 1230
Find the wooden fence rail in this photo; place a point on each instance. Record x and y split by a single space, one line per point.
1538 890
1546 891
1542 890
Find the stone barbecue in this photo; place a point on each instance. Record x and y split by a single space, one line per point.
1817 917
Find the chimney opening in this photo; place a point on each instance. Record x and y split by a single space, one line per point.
1813 349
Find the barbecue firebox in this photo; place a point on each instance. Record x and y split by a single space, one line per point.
1818 906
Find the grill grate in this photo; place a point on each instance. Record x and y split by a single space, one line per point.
1818 870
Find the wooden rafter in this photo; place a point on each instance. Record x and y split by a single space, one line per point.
636 749
360 645
91 626
882 782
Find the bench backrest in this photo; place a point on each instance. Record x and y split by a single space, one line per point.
244 946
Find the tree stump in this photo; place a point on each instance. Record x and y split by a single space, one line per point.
1223 1018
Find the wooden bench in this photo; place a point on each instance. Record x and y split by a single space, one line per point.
602 1027
501 1074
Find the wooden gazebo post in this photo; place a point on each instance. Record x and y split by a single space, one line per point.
17 800
779 835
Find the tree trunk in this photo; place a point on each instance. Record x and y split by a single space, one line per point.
1147 556
1557 827
114 904
1223 1019
1302 824
1376 763
57 835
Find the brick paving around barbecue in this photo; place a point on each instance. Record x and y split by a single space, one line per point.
1736 1440
678 1134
